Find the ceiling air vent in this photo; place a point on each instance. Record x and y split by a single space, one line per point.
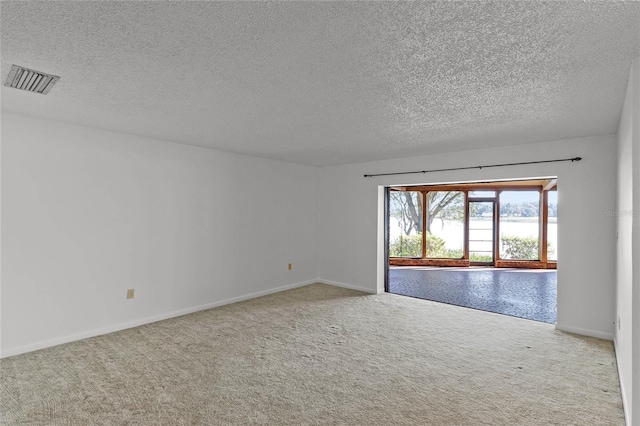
30 80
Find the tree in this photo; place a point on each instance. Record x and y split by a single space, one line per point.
444 205
406 207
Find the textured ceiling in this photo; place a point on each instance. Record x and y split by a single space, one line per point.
325 83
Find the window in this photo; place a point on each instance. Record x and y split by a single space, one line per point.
481 231
482 194
500 224
445 224
519 225
405 224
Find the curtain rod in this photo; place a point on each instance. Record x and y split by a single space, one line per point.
475 167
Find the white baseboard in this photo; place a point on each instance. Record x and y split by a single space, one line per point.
123 326
349 286
585 332
622 388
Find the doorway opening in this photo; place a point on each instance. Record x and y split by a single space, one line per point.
489 245
481 241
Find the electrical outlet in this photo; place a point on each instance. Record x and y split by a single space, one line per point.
130 293
290 267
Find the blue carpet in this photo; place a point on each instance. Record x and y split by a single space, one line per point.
519 293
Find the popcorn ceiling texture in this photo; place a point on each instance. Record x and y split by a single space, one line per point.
324 83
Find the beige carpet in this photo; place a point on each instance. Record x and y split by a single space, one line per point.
320 355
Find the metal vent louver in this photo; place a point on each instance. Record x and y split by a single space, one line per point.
33 81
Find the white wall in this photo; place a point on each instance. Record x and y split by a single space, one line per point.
350 229
627 334
88 214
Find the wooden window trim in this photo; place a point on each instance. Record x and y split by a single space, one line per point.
542 186
424 224
543 224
